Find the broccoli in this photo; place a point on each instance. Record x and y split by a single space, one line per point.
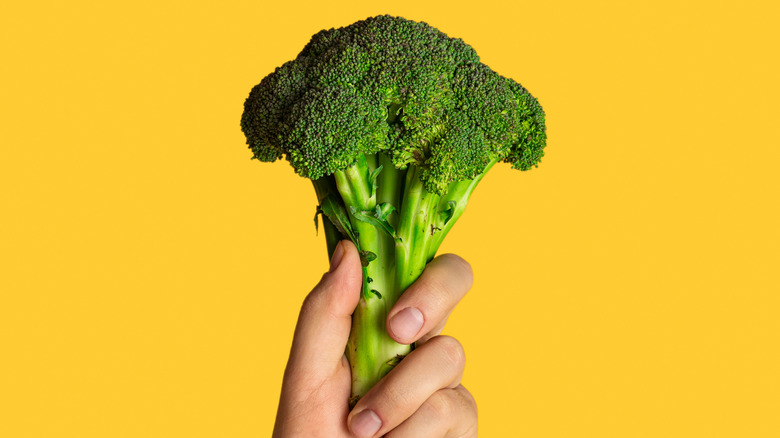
395 123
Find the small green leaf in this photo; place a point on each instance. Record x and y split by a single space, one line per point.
366 257
384 210
448 212
337 214
370 217
372 180
395 361
390 364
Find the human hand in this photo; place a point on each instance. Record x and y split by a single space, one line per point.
421 397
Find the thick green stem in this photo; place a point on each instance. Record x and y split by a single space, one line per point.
324 187
458 195
421 220
389 185
414 229
354 185
370 350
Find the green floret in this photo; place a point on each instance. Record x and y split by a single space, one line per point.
395 123
528 145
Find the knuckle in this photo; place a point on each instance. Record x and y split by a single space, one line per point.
314 299
311 302
461 265
467 399
394 396
467 412
344 282
435 290
326 294
452 351
440 404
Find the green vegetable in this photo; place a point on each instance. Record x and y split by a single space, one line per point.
395 123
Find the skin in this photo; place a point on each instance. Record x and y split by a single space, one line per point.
421 396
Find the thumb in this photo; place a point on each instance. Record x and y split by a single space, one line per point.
326 315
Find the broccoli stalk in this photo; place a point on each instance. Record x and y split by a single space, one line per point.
395 123
395 247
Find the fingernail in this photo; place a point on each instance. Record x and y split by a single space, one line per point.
365 424
338 254
407 323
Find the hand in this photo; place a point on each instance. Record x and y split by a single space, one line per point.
421 397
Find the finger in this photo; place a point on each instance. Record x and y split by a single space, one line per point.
437 364
422 310
325 319
448 413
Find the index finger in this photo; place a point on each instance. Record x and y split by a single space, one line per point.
423 308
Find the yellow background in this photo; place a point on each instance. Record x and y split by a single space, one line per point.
152 273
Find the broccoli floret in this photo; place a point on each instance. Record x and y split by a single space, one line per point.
395 123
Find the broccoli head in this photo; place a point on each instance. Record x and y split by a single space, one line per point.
396 86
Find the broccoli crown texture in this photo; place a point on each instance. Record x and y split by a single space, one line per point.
398 86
